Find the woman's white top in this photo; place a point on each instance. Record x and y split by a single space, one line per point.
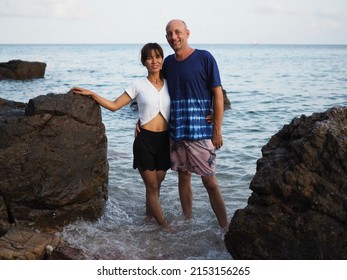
150 101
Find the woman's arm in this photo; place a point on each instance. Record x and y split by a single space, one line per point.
120 102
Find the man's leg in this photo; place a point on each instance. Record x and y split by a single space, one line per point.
216 200
185 192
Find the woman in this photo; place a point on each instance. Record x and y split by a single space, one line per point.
151 145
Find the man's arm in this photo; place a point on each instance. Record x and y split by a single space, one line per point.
218 112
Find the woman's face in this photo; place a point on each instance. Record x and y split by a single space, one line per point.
154 62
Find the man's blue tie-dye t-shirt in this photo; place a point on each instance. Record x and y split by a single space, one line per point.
189 82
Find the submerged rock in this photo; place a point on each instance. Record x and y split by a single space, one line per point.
298 207
22 70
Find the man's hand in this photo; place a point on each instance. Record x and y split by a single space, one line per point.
217 140
137 128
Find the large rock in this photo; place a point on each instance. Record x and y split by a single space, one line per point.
53 157
298 208
22 70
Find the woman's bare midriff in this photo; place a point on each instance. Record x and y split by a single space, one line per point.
157 124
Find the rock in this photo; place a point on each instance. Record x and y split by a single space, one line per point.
4 219
22 70
64 251
22 243
298 207
25 244
53 156
227 103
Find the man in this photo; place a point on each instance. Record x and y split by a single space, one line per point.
195 90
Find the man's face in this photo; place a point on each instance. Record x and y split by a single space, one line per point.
177 35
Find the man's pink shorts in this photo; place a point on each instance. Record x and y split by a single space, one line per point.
198 157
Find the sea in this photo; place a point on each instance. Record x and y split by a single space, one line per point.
268 86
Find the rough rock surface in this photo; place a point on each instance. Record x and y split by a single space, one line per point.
22 70
53 157
227 103
298 207
22 243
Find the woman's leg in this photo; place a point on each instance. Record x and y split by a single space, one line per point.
152 183
160 178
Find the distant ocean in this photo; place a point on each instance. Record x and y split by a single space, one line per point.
268 86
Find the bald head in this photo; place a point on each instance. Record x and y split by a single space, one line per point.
177 22
177 35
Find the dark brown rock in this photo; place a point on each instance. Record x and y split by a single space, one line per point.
22 70
298 208
4 219
53 156
227 103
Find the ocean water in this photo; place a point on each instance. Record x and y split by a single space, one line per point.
268 86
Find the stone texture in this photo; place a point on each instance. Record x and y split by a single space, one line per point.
26 244
298 207
53 156
227 103
22 70
22 243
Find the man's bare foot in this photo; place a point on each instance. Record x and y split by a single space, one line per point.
148 219
169 228
188 216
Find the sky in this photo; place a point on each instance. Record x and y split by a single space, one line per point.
141 21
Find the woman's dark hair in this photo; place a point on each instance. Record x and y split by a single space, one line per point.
146 51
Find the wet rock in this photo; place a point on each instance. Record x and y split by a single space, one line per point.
26 244
298 207
22 70
64 251
53 155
